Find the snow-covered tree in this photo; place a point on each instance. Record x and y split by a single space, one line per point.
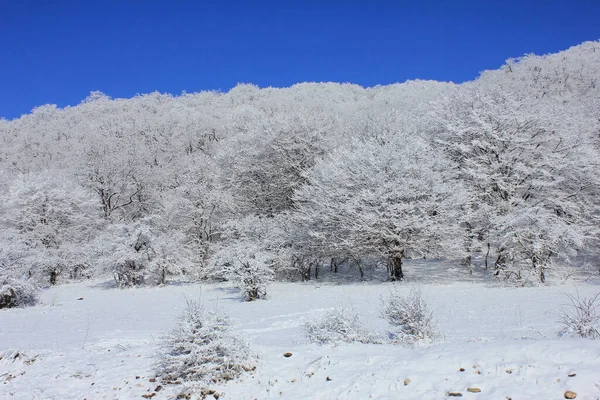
199 207
146 251
202 349
264 162
388 195
50 223
522 139
530 181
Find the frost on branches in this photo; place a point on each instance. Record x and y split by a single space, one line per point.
247 266
581 318
387 195
49 223
413 315
531 182
256 183
145 251
203 350
252 250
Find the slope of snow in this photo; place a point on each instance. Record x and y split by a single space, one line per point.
103 346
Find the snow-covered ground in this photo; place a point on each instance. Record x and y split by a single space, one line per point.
91 341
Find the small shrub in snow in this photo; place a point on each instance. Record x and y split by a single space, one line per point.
412 315
253 276
581 318
17 293
128 273
339 325
202 349
246 266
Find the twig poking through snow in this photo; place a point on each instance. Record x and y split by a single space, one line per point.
538 332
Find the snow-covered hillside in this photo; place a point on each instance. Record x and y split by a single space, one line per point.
320 195
92 341
285 181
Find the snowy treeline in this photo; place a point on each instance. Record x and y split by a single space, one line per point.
260 184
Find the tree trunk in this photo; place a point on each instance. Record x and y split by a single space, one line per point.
487 254
467 262
500 261
395 263
302 266
163 276
305 271
468 242
539 268
53 276
361 270
334 265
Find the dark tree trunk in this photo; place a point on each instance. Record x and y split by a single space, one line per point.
539 268
361 270
467 262
487 254
395 263
53 276
334 265
500 261
468 242
302 266
163 276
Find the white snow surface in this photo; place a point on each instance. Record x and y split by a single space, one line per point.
104 346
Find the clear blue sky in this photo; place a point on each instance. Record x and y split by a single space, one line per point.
57 51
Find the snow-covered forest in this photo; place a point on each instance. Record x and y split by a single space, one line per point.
256 185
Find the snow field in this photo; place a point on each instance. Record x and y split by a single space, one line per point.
104 346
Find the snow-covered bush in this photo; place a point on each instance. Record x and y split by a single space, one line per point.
17 293
125 254
202 349
339 325
247 266
515 275
412 314
144 251
128 273
254 275
581 318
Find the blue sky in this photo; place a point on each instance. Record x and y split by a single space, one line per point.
57 51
